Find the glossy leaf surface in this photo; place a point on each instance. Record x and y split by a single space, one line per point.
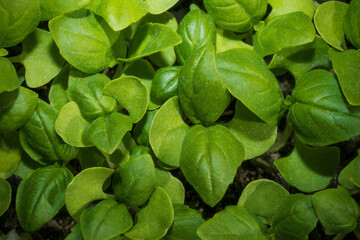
281 7
171 185
165 84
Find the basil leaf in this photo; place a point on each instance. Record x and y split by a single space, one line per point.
10 153
352 23
52 8
142 129
134 180
171 185
167 132
8 78
192 38
346 66
16 108
281 7
201 92
249 76
18 19
5 195
131 94
232 223
263 198
57 94
123 150
85 188
3 52
155 219
209 160
26 166
319 114
165 84
329 22
75 233
289 30
87 43
106 133
226 40
104 221
349 177
295 219
91 157
237 16
255 135
159 6
39 139
309 169
41 195
336 209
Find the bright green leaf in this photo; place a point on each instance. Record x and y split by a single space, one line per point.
165 84
52 8
352 23
57 94
226 40
171 185
281 7
142 128
5 195
159 6
10 153
349 177
3 52
91 157
8 77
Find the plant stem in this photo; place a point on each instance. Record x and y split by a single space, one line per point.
280 143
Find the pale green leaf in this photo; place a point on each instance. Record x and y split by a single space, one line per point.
281 7
10 153
171 185
8 77
52 8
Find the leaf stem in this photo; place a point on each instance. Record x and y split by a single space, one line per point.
280 143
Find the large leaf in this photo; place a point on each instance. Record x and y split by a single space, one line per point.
209 160
248 77
52 8
10 153
319 114
281 7
85 188
5 195
309 169
87 43
155 219
202 94
39 139
167 132
41 195
104 221
352 23
289 30
234 15
8 78
18 18
232 223
41 58
329 22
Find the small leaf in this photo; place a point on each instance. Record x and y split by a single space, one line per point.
349 177
41 195
57 94
209 160
91 157
142 129
75 233
281 7
226 40
232 223
171 185
159 6
336 209
165 84
352 23
104 221
10 153
167 132
3 52
5 195
85 188
8 77
52 8
155 219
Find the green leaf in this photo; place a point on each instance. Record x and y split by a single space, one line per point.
18 19
295 219
171 185
167 132
87 43
142 128
10 153
123 150
104 221
329 22
134 180
159 6
236 16
85 188
70 125
41 195
26 166
149 39
301 59
255 135
119 13
202 94
281 7
319 114
41 58
155 219
285 31
209 160
186 222
75 233
336 209
16 108
263 198
192 37
52 8
349 177
249 76
106 133
309 169
91 157
226 40
39 139
232 223
57 94
8 78
5 195
87 92
352 23
131 94
347 68
165 84
3 52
